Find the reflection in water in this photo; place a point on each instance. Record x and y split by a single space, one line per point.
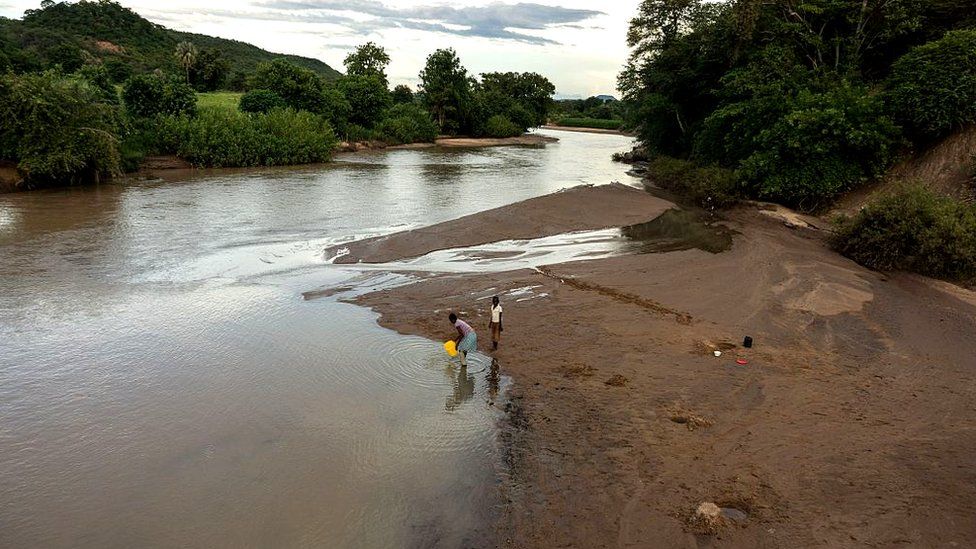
463 387
162 383
677 230
493 380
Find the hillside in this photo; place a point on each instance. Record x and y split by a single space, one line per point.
69 34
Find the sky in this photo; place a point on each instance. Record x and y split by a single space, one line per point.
580 45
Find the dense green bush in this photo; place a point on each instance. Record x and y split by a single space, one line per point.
218 138
60 130
148 95
932 89
355 133
500 126
913 230
407 123
826 143
709 187
261 101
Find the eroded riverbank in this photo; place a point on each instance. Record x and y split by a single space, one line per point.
848 424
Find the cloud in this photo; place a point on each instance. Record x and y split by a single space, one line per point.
496 20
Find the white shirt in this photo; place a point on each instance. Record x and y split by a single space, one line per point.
496 313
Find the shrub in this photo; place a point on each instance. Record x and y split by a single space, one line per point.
261 101
826 144
148 95
356 133
407 123
932 89
500 126
221 138
913 230
59 129
710 187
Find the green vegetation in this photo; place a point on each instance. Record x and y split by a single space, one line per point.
598 123
500 126
597 112
932 89
138 89
711 187
407 123
913 230
104 32
146 96
220 100
222 138
796 96
60 130
800 101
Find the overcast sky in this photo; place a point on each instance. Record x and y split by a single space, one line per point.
579 44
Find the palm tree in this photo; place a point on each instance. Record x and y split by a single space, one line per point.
186 54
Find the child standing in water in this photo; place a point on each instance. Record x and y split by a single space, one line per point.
495 324
467 339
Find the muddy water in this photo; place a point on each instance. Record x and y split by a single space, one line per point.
164 383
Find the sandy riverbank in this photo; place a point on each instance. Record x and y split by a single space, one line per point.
851 424
583 130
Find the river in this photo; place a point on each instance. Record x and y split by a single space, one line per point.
163 381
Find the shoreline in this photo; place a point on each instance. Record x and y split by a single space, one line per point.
622 421
585 130
173 166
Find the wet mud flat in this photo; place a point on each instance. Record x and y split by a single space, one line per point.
847 424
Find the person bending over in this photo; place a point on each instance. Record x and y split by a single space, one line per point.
467 339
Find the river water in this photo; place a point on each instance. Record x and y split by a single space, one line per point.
163 382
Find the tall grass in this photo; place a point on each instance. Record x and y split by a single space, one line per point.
219 100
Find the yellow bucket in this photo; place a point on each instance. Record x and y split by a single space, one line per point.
450 347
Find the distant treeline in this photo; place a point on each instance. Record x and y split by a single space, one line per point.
70 35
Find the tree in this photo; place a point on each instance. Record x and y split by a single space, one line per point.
530 90
67 56
367 96
186 55
932 89
402 94
58 129
209 70
299 87
446 88
368 60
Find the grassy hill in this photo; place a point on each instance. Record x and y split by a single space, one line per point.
71 33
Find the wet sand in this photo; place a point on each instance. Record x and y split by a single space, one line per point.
584 130
576 209
850 425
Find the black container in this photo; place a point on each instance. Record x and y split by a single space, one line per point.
747 343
